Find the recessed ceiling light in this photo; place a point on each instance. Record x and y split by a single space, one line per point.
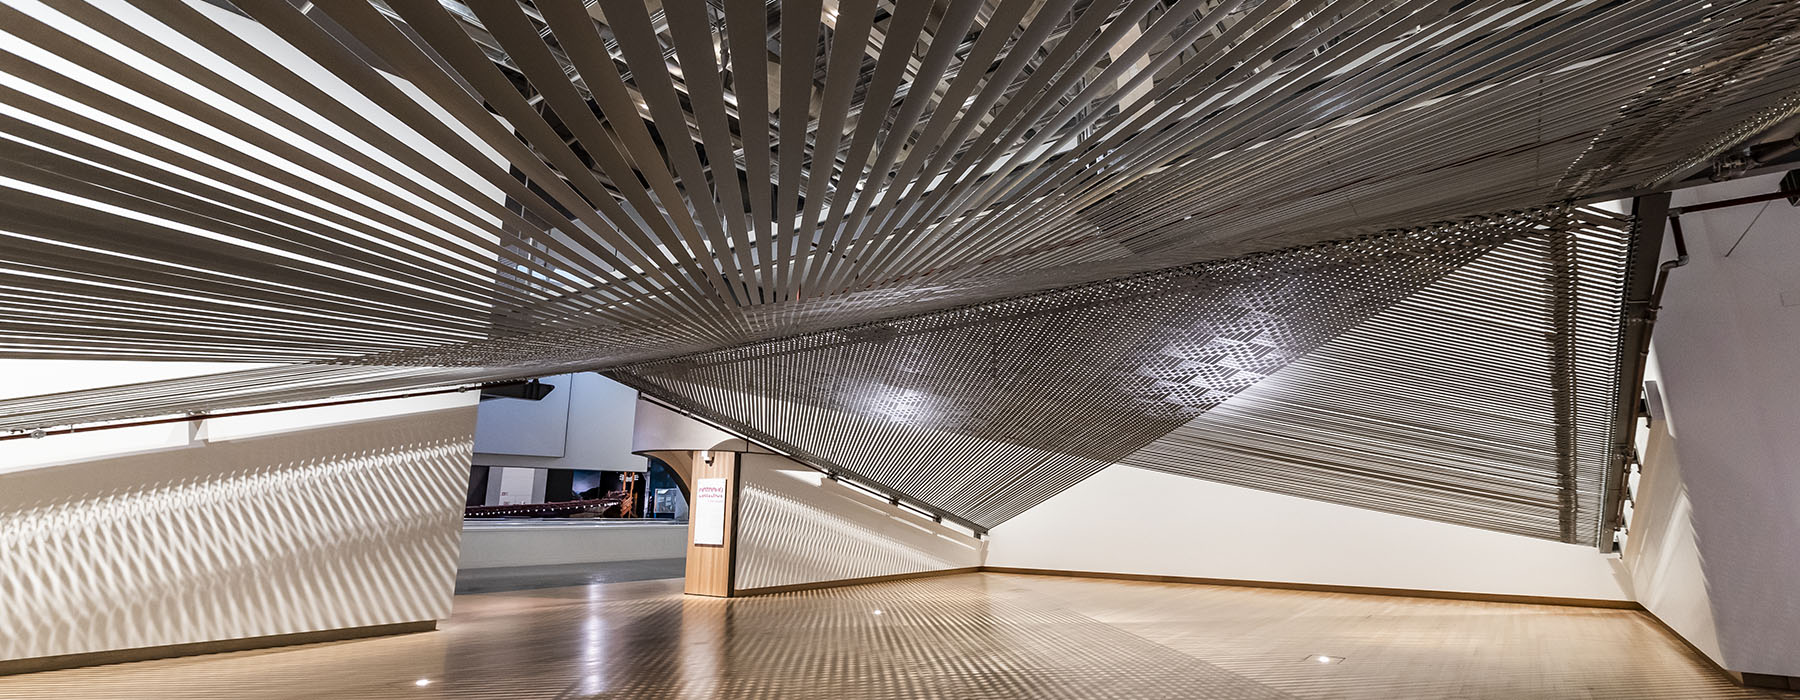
877 612
422 682
1323 659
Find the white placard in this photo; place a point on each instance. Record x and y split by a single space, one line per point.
709 512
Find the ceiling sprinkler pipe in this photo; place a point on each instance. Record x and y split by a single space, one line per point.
1641 315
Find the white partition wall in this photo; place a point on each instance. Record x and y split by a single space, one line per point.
509 430
1714 532
796 527
296 522
585 423
1135 521
1663 552
499 544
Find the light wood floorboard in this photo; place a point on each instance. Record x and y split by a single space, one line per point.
981 636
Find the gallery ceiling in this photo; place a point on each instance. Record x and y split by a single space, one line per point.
400 195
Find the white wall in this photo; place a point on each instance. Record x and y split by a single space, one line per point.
19 378
515 485
1717 529
596 411
656 427
300 521
486 545
509 429
1661 551
795 526
1130 520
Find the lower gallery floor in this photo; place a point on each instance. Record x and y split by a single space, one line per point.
965 636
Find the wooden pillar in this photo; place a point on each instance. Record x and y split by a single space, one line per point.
711 567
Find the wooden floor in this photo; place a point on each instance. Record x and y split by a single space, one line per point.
978 636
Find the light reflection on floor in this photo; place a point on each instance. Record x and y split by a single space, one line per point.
986 636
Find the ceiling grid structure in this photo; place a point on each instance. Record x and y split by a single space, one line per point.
394 196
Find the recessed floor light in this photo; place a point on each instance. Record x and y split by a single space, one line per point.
1323 659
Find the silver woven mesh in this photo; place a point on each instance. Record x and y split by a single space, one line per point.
987 410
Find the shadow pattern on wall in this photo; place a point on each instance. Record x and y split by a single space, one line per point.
797 527
986 410
325 528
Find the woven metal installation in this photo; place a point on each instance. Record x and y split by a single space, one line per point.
411 194
574 183
985 411
1481 400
